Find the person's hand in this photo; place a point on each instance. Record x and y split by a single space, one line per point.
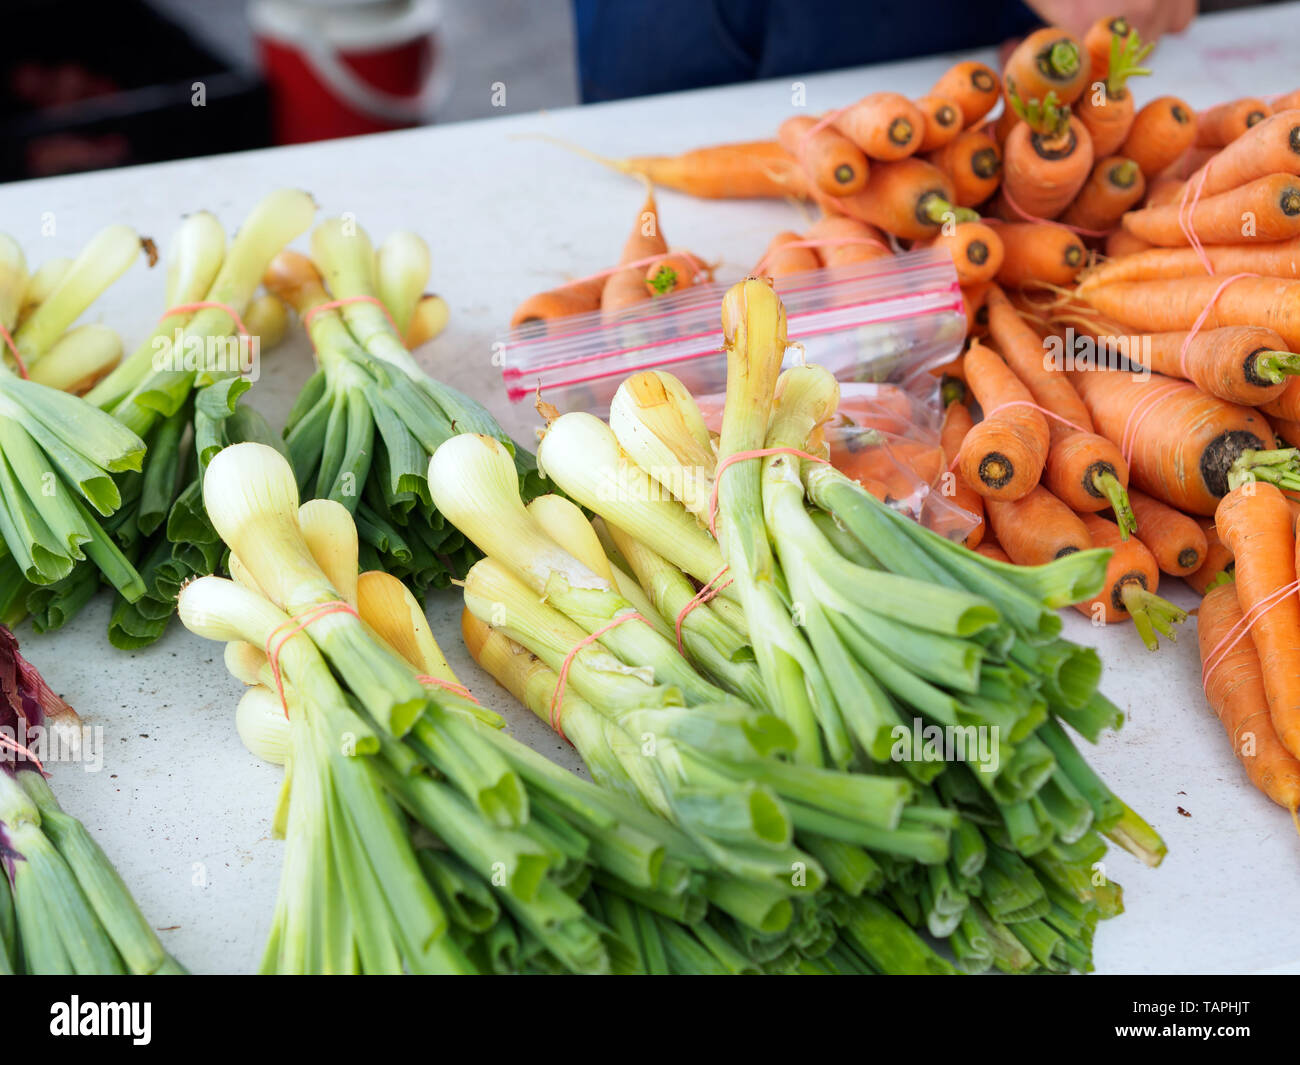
1151 18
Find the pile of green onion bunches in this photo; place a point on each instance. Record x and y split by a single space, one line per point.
63 907
845 712
418 836
364 427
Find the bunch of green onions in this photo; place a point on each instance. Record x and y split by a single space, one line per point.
63 907
184 406
869 636
419 837
364 427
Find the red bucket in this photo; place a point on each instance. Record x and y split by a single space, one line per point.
339 68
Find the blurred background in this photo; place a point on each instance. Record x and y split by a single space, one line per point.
91 84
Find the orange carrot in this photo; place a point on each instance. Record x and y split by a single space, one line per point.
1047 61
1097 43
1220 126
1236 691
957 422
885 125
1106 118
1163 190
973 161
1116 184
1175 539
1278 258
1255 524
627 287
973 85
1121 242
909 198
1043 172
579 297
1267 208
1106 109
976 251
1162 130
1271 147
753 169
989 549
1183 442
1132 580
1240 363
1286 431
672 273
1218 560
1039 251
1088 473
1003 456
848 241
832 162
1037 528
943 121
975 303
1288 101
779 261
1007 121
1167 306
1024 353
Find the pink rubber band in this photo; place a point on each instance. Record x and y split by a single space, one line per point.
1200 321
1232 637
557 696
9 343
707 592
740 456
1128 438
286 630
1079 230
203 305
446 685
17 747
1185 212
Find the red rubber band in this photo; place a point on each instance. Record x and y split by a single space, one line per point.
216 305
17 747
1232 637
1200 321
9 343
740 456
447 685
286 630
707 592
557 696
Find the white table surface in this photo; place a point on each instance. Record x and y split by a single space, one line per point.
184 810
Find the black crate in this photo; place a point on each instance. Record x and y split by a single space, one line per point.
141 71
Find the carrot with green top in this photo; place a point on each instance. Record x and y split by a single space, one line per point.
1045 161
909 198
1084 469
627 286
674 272
1048 63
1234 687
1240 363
1106 107
1129 591
1100 41
1174 538
976 251
1003 456
1255 523
1181 442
